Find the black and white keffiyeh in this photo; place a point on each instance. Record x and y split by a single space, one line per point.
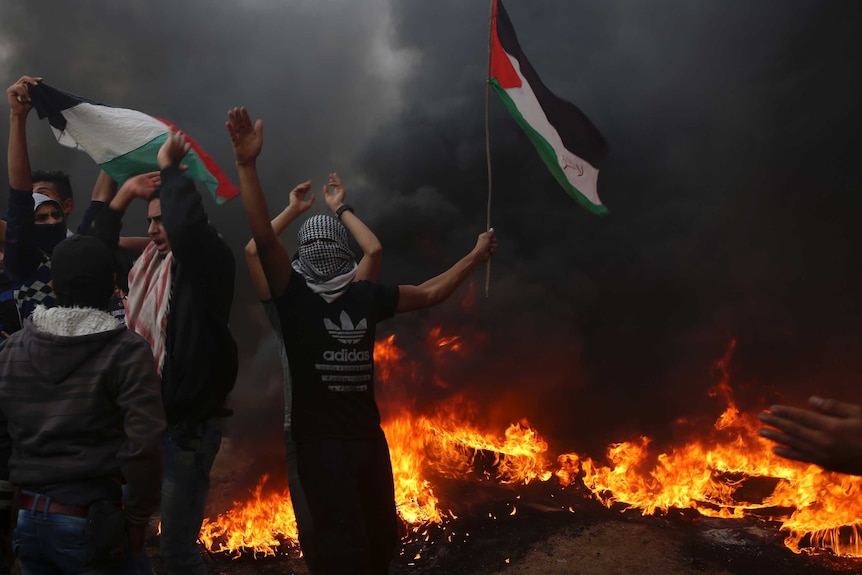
324 257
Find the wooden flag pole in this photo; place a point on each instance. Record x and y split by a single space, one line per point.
488 138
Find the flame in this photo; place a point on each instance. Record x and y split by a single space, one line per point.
708 474
517 458
261 524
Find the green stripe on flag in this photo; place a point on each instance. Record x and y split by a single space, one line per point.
546 152
145 159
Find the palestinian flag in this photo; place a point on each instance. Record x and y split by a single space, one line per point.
570 145
123 142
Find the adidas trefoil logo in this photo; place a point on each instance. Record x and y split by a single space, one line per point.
346 333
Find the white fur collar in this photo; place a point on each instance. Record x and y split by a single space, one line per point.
73 321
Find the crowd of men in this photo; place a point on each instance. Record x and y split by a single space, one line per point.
117 362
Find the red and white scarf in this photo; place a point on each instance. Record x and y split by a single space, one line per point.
149 298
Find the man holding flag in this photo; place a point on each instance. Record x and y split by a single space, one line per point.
328 316
180 296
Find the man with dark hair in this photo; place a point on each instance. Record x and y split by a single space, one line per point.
328 322
180 296
80 414
36 221
28 247
55 185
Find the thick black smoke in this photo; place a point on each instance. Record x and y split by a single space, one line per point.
733 184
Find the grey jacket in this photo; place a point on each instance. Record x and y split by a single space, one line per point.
81 410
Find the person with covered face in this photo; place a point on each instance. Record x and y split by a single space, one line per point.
180 296
28 260
367 269
328 321
35 223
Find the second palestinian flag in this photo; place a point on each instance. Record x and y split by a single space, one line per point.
123 142
570 145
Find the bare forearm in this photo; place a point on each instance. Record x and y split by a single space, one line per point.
258 278
254 204
439 288
363 235
372 250
104 189
122 200
18 159
268 250
445 284
283 219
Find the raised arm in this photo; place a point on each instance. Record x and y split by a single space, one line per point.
279 223
247 141
18 158
104 192
21 255
372 250
108 222
437 289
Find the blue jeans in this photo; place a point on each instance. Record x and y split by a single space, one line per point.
189 453
53 544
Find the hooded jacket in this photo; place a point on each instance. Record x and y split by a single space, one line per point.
80 410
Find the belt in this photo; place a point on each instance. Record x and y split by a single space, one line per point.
53 507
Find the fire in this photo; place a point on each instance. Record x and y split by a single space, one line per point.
261 524
517 458
414 497
708 474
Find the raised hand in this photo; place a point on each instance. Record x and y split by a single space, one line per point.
333 192
486 245
245 137
141 186
173 150
298 199
19 96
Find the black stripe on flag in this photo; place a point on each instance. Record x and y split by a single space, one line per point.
578 134
50 103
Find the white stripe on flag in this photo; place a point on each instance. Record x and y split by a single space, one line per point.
106 133
580 173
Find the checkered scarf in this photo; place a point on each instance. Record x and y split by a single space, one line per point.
328 266
149 299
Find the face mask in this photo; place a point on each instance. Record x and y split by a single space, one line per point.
47 236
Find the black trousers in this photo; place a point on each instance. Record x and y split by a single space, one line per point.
351 496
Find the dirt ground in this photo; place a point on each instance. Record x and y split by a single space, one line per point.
562 545
552 533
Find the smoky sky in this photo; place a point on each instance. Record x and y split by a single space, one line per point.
733 185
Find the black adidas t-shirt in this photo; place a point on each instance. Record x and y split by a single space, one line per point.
330 349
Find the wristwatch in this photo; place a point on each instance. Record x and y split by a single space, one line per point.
343 208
